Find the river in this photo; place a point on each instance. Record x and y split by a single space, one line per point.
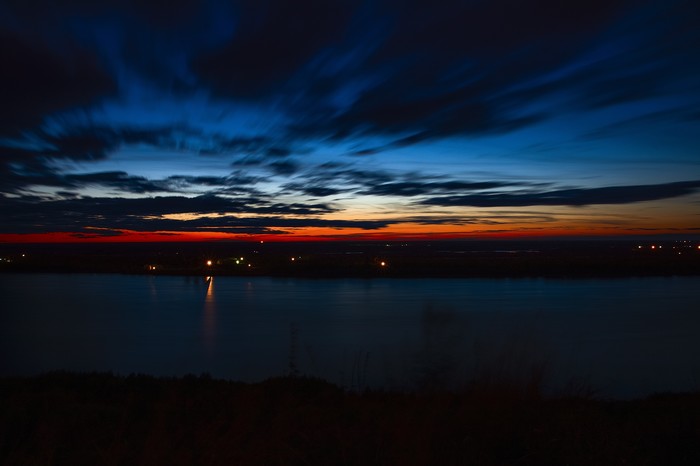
620 337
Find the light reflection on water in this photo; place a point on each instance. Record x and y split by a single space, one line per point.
626 337
209 316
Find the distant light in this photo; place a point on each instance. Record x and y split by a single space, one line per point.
383 264
237 261
23 255
653 247
248 265
293 258
639 247
209 263
241 258
261 242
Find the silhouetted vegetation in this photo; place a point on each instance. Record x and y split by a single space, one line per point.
64 418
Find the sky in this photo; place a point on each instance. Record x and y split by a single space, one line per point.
157 120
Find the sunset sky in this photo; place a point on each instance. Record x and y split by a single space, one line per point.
280 119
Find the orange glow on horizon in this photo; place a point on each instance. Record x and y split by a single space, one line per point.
328 234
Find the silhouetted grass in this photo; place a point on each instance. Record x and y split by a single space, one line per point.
64 418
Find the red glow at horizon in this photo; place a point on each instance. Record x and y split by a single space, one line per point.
315 235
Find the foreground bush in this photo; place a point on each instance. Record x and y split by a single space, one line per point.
103 419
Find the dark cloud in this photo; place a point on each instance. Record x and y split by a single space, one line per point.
284 167
418 188
144 39
259 147
96 233
329 180
94 142
29 161
278 151
94 217
18 180
37 81
121 180
570 197
35 207
30 214
334 178
235 224
429 70
410 71
319 191
176 184
83 143
273 40
344 176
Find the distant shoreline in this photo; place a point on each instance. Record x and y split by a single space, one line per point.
582 259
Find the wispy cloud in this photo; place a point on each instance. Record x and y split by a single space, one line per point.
571 197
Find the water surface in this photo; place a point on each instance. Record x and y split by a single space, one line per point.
624 337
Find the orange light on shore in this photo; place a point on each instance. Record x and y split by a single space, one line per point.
382 263
209 263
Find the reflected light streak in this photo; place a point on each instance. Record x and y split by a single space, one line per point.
209 324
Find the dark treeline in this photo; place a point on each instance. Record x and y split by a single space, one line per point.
364 259
64 418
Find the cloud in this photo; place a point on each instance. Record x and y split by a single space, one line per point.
409 72
414 71
329 180
418 188
273 84
570 197
418 72
316 191
88 207
284 167
31 214
34 150
41 175
272 41
29 160
66 140
37 81
333 178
